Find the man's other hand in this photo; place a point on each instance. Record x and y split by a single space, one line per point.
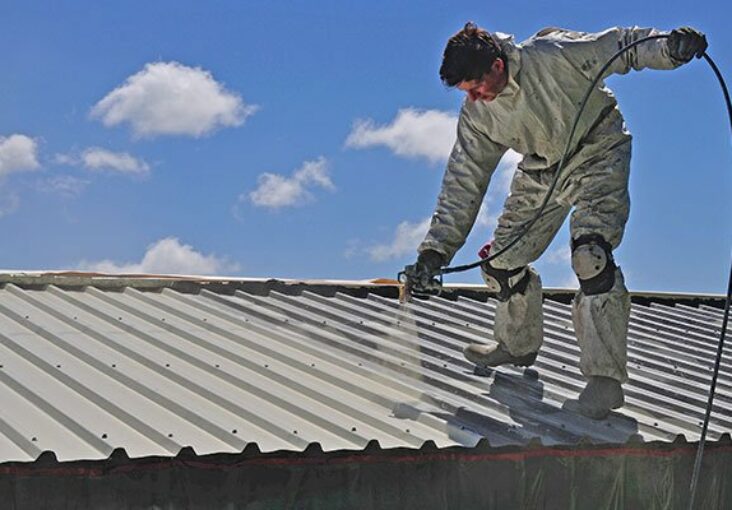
686 43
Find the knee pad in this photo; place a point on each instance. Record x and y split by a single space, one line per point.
501 281
593 263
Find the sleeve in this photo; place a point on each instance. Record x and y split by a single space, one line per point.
472 162
588 52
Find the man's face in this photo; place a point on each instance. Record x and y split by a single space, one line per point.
489 86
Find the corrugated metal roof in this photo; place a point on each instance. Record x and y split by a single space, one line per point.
86 369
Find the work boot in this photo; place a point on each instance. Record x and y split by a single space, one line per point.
600 396
487 356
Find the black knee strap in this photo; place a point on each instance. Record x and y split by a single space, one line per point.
503 276
604 281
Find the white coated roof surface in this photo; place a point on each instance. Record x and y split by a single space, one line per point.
89 365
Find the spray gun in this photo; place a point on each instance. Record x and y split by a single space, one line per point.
416 282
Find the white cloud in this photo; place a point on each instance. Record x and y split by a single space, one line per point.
428 134
486 219
500 185
555 266
275 191
570 281
408 236
501 181
18 153
166 256
169 98
95 158
64 185
554 275
65 159
406 239
559 256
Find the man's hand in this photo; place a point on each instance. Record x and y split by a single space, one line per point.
686 43
420 276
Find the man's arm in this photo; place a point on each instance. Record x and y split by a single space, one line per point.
590 51
472 162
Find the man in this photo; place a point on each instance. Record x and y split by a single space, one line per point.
525 97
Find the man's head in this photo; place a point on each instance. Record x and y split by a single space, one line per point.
474 62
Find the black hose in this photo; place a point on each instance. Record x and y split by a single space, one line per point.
725 320
710 402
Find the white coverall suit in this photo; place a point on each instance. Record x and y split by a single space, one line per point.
548 76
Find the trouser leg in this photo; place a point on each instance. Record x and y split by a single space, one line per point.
519 319
601 308
601 324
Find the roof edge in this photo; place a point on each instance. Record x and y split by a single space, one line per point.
380 286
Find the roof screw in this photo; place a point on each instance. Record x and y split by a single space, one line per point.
234 431
408 431
217 365
294 432
266 366
353 429
114 365
167 365
104 436
34 439
58 366
170 435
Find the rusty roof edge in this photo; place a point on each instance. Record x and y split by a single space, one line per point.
48 463
229 284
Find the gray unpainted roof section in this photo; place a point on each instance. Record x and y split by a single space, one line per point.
90 364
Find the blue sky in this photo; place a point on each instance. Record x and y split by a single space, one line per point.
308 139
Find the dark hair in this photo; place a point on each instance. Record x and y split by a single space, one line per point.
469 54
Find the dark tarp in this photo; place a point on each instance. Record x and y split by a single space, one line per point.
631 476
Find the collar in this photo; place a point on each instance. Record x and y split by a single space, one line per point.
513 55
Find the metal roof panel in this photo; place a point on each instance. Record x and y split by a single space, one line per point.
87 368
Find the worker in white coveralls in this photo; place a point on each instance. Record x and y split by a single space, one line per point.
525 97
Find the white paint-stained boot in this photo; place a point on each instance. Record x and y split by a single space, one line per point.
492 356
600 396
